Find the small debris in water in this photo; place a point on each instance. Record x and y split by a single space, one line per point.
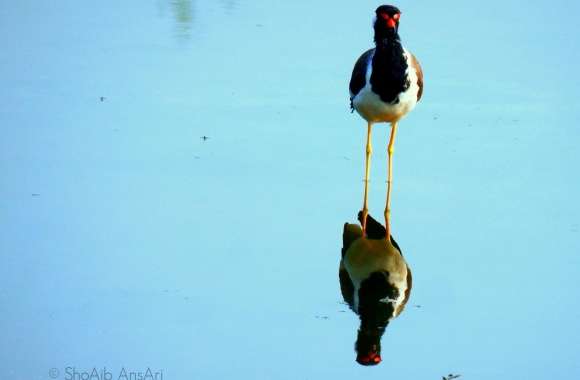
451 377
102 98
35 195
205 138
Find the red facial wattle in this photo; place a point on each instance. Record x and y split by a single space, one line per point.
391 21
372 358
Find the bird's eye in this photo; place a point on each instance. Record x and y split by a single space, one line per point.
397 16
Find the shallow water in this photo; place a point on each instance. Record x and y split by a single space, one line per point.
128 240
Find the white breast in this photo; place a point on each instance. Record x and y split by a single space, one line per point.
370 106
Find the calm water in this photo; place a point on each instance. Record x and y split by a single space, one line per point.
128 240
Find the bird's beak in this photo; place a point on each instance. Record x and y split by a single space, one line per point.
372 358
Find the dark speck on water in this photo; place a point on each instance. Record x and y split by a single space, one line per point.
204 138
102 98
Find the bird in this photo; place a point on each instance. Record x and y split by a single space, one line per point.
375 281
386 84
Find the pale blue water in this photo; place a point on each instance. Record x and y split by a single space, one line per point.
128 241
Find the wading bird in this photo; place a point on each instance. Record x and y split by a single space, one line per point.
386 84
375 281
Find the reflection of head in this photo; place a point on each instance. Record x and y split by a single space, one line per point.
374 316
368 347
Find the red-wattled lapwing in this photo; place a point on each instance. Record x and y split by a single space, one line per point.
376 283
386 84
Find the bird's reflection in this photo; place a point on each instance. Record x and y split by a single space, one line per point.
375 282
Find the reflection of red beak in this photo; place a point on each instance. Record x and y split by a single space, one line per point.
372 358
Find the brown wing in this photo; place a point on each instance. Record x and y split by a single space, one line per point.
350 233
407 292
346 285
415 64
375 230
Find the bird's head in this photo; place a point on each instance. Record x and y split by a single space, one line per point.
374 317
386 22
368 347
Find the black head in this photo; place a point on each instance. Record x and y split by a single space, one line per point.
387 22
368 346
374 316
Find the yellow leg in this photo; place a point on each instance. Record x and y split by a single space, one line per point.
369 151
391 149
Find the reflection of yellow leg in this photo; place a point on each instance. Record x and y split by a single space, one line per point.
369 151
390 180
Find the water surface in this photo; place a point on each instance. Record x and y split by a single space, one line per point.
128 240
